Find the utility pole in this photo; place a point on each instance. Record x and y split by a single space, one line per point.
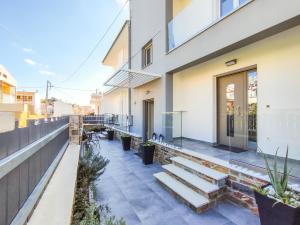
48 87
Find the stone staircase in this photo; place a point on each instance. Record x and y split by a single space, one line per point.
196 185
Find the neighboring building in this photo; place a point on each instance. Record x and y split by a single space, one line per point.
95 102
86 110
8 106
7 86
61 108
32 99
228 72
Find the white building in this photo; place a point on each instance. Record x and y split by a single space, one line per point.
218 76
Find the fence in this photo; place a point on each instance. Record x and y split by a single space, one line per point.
116 120
27 159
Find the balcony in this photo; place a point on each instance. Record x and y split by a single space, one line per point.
196 17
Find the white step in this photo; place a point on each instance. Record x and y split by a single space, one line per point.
192 179
182 190
216 175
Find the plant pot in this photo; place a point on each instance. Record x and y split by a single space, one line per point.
147 153
110 135
276 214
126 143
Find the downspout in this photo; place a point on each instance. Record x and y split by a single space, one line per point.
129 67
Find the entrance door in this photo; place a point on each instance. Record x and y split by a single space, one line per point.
148 119
232 110
237 108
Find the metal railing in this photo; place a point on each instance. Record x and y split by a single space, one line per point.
26 156
116 120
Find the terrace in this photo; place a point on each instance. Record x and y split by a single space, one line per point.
39 167
131 191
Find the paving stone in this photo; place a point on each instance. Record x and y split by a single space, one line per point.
128 187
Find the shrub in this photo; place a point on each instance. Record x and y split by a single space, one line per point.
91 167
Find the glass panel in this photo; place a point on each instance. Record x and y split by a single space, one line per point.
172 128
187 22
230 109
252 108
226 7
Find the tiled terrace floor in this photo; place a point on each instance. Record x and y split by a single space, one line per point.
130 190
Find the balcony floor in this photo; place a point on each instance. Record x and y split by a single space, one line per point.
130 190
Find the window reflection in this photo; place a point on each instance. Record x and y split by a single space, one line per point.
252 108
230 109
226 7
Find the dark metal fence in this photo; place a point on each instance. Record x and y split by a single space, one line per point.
116 120
17 185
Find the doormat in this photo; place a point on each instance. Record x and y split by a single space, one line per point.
230 149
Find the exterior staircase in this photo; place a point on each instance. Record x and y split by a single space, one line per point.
196 185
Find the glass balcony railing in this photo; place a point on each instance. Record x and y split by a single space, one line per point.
197 16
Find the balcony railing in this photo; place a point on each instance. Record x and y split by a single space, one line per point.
198 16
119 121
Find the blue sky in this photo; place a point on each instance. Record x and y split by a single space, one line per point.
47 40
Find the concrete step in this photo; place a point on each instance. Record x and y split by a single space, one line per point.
204 172
193 199
200 185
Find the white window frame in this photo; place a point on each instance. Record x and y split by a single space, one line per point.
147 47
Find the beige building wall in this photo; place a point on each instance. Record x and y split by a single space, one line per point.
115 102
152 90
277 59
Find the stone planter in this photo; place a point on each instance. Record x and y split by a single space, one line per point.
126 142
272 213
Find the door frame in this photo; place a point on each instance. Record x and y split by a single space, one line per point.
145 116
216 101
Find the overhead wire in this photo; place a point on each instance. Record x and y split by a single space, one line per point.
96 45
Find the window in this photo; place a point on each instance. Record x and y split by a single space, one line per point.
228 6
147 54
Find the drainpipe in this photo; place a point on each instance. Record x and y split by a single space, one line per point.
129 67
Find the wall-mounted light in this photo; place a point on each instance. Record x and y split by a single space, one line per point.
231 62
148 92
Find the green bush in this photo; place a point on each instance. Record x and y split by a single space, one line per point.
91 167
92 217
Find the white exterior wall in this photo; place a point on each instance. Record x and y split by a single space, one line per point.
278 72
115 102
62 109
152 90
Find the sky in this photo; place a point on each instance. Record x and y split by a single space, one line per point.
48 40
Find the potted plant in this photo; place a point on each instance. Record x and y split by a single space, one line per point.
110 134
126 142
277 204
147 152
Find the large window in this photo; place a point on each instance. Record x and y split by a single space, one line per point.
147 54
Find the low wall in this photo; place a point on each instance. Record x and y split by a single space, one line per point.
135 139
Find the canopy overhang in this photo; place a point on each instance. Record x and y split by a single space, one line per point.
125 78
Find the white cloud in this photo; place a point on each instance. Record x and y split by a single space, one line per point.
27 50
30 62
47 73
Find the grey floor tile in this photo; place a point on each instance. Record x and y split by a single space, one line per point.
130 190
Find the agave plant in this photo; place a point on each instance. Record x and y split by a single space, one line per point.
279 180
